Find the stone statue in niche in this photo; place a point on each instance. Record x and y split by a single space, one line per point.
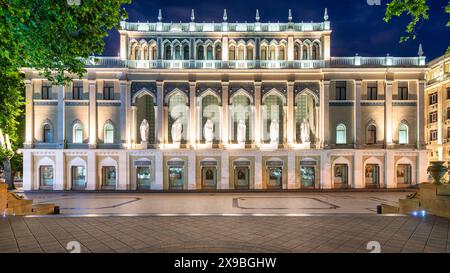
144 130
208 131
241 131
274 131
304 127
177 130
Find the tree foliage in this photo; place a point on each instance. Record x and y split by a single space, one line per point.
50 36
417 10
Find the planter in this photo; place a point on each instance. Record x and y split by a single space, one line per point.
437 170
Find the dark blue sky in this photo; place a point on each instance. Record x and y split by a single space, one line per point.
357 27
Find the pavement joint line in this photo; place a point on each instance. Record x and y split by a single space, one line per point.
213 214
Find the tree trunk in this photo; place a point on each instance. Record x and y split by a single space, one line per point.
8 174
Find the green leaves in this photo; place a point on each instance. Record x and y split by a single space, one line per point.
417 10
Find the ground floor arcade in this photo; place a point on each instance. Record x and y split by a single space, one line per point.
221 169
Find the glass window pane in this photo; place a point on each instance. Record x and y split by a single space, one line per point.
78 177
46 176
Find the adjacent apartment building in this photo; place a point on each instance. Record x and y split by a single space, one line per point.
191 106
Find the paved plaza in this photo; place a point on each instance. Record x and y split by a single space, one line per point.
328 233
223 222
218 203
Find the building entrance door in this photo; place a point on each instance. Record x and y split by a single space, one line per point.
143 178
176 178
307 176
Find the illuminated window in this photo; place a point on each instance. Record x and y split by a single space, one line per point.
403 134
341 137
108 134
47 135
371 134
77 133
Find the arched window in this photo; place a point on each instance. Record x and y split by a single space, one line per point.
296 52
232 53
341 134
282 53
77 133
371 134
108 137
272 53
249 52
240 53
209 54
315 52
264 52
186 52
403 134
218 52
47 135
167 52
200 53
154 52
177 52
305 53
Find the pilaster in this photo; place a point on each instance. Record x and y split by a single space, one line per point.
225 109
123 112
60 174
61 115
91 171
257 113
357 114
29 114
92 114
290 113
388 113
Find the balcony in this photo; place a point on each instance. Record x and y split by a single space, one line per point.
334 62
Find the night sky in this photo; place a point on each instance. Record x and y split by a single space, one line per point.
357 27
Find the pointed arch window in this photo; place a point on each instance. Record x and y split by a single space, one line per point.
296 52
371 134
341 134
108 137
282 53
264 52
241 52
154 52
186 52
272 53
177 52
232 53
403 134
167 52
218 52
315 52
249 52
47 135
305 53
200 53
77 133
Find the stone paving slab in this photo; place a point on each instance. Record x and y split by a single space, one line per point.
323 234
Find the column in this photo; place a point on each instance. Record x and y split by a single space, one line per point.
29 114
160 112
225 48
290 113
357 114
160 52
123 113
92 115
133 126
292 183
159 170
123 46
326 45
358 177
60 177
192 111
388 113
61 116
225 121
28 171
422 165
290 50
258 113
325 112
91 171
389 170
191 170
123 182
225 178
325 170
258 172
420 115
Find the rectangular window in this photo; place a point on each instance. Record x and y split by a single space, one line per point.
448 132
108 92
341 90
46 176
46 92
448 113
448 93
77 93
78 177
432 117
433 135
340 174
372 92
402 92
432 99
404 173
